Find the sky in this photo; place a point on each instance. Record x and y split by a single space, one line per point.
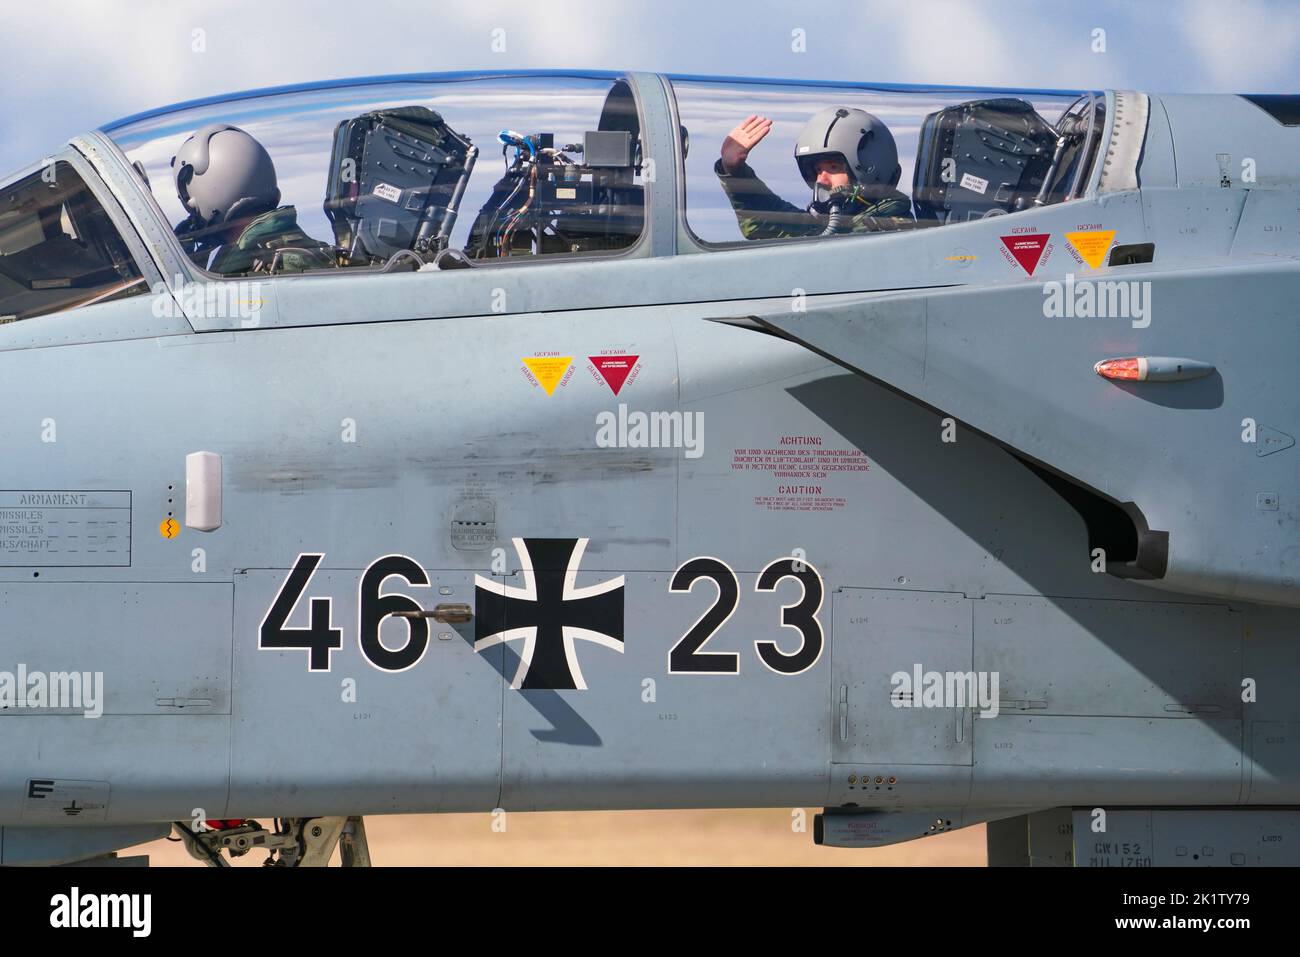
72 65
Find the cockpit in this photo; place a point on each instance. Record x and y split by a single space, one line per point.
933 156
400 175
449 171
454 172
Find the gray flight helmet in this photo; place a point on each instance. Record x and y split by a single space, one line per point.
861 140
222 172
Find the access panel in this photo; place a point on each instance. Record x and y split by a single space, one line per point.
693 695
153 648
348 706
881 720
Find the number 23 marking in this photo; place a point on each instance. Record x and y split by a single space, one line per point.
686 656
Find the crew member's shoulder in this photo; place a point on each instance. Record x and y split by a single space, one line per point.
271 224
893 205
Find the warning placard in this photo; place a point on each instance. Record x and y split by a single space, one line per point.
52 799
547 371
1026 249
1092 245
68 528
614 369
806 474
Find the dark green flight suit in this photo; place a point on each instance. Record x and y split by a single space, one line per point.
254 250
764 215
275 231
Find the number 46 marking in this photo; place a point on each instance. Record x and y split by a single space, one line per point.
321 639
686 656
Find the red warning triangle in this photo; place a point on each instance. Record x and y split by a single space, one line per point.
1027 248
614 369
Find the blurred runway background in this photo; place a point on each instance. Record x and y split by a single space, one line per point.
612 838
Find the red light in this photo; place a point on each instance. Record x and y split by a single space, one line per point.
1130 368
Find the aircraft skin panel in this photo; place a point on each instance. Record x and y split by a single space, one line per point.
1158 166
1028 381
32 846
884 633
425 738
1273 762
184 628
972 253
120 769
1107 760
1158 660
1187 837
774 728
1213 132
906 493
885 472
1147 837
121 321
1267 228
1166 212
991 547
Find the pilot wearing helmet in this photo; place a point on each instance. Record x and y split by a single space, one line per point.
848 159
226 180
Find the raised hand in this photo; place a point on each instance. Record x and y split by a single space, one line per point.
736 147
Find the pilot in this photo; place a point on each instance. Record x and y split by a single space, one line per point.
226 180
846 156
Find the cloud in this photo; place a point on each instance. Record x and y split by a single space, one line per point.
71 65
1243 47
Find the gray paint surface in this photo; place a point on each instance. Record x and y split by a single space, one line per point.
948 555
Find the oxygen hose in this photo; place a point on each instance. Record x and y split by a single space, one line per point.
836 222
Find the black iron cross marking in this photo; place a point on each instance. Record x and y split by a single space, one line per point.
549 613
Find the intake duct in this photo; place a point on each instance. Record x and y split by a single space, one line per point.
1133 550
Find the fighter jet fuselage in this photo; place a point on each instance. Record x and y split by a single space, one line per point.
567 468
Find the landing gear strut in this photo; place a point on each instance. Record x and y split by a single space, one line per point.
295 842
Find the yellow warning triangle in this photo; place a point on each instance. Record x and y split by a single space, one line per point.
1092 245
548 370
